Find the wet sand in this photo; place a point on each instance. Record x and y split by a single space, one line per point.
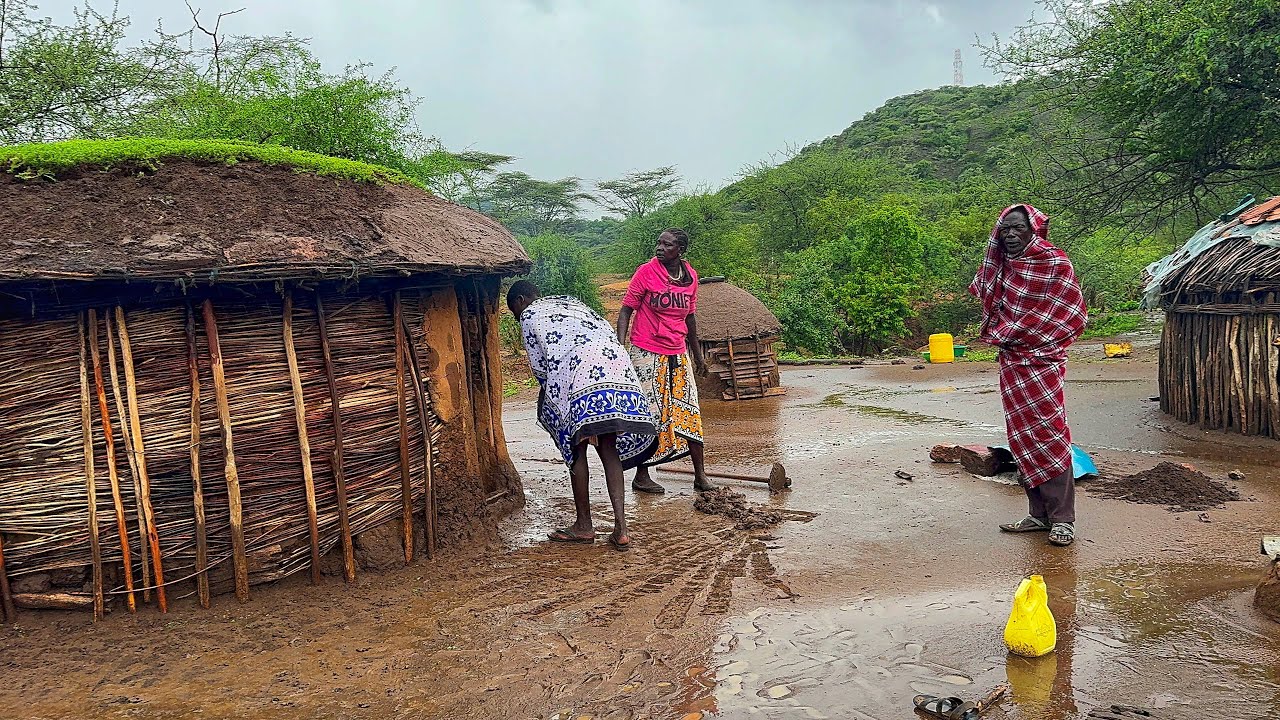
874 589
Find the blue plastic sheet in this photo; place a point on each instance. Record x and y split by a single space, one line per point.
1081 464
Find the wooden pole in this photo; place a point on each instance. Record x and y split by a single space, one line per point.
139 447
344 520
733 373
6 597
239 558
424 422
304 445
132 458
759 363
86 426
197 489
122 526
402 416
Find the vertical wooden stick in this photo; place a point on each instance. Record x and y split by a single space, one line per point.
239 558
733 373
132 458
139 447
402 415
86 426
122 526
197 488
344 519
6 597
424 421
300 418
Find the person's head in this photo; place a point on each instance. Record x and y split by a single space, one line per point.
1015 232
520 296
672 244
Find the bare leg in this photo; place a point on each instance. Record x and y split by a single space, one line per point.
644 483
607 449
579 478
701 482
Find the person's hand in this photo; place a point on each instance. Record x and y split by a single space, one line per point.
699 366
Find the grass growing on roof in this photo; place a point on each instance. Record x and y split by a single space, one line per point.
48 160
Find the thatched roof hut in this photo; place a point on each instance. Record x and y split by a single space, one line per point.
1220 350
737 333
223 364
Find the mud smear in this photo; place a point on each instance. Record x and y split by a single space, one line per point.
1177 486
734 505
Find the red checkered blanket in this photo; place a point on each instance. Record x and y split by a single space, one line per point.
1032 309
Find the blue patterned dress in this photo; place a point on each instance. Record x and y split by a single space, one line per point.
588 385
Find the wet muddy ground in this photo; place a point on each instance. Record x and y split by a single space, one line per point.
873 588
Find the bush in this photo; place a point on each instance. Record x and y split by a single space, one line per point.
561 267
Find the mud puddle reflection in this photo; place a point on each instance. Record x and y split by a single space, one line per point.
1128 634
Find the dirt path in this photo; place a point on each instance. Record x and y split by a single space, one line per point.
875 588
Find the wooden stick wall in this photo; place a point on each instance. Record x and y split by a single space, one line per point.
324 431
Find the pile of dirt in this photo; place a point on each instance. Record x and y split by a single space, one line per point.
1181 487
1267 596
734 505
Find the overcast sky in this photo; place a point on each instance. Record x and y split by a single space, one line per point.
598 88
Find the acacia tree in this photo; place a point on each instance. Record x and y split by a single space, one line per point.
639 193
78 80
529 206
1156 108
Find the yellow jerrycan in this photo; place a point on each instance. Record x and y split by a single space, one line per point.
1031 631
941 348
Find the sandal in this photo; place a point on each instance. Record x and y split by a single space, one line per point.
618 544
1026 524
567 535
945 708
1062 534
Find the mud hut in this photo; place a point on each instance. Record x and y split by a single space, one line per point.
1220 349
737 333
222 364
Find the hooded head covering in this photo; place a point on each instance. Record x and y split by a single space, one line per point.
1032 302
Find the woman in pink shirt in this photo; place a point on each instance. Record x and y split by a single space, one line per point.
662 298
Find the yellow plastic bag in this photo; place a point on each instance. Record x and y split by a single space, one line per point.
1031 631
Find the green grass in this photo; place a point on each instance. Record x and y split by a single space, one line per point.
511 388
973 355
49 160
1103 326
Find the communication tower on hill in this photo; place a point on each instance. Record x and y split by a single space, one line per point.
958 67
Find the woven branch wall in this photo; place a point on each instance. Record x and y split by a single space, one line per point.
45 504
1220 366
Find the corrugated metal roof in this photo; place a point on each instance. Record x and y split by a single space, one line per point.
1268 210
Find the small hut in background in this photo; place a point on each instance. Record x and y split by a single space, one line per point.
1220 350
737 333
223 364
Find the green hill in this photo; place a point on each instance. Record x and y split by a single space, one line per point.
941 132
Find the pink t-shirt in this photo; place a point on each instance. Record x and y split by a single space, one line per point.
661 308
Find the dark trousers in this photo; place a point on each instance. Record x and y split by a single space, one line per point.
1054 500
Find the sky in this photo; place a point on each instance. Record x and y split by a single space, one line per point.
599 88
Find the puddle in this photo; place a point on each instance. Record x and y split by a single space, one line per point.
1167 630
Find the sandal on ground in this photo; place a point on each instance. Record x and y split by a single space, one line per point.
618 544
1062 534
647 486
567 535
1026 524
945 708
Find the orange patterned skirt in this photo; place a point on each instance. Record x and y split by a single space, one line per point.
673 400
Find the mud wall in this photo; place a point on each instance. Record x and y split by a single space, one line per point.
44 497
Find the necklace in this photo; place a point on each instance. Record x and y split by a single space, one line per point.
678 277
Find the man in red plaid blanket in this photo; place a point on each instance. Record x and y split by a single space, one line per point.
1032 310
